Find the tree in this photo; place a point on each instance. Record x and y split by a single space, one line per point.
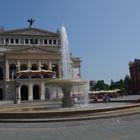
112 85
100 85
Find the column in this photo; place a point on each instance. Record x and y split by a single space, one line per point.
39 65
18 95
42 91
50 65
29 64
17 68
51 93
4 41
30 92
7 70
29 67
18 63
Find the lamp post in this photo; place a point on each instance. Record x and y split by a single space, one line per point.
17 85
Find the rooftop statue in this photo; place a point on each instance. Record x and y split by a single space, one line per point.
31 21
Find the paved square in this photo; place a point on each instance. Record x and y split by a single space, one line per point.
122 128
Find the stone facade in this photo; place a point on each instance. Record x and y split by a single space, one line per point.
26 55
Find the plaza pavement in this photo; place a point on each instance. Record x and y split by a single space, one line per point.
120 128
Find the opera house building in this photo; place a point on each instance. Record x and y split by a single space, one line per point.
29 57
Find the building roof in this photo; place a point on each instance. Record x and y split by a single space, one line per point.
29 31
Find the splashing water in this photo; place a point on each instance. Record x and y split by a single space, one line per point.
67 65
65 54
67 82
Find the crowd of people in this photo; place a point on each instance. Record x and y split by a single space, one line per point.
105 97
97 97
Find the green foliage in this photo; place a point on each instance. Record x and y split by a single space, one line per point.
117 85
101 85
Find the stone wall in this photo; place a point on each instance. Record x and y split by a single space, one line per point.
10 90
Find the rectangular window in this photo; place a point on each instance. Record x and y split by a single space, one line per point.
50 42
36 41
54 42
11 40
26 41
7 40
31 41
17 41
45 41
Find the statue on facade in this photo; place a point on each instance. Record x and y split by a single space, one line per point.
31 21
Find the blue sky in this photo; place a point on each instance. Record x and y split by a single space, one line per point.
105 34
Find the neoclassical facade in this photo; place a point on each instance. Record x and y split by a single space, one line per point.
29 57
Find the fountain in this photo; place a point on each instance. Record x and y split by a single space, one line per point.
67 82
66 86
65 54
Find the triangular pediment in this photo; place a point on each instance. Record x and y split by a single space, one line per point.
33 49
30 31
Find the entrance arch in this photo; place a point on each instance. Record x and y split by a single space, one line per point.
47 94
44 67
1 74
34 67
24 93
23 67
1 94
36 94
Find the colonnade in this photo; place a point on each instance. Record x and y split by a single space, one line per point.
29 94
29 64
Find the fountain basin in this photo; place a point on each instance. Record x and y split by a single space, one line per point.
19 114
66 86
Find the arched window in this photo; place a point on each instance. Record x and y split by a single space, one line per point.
1 74
34 67
34 74
44 67
12 71
23 67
